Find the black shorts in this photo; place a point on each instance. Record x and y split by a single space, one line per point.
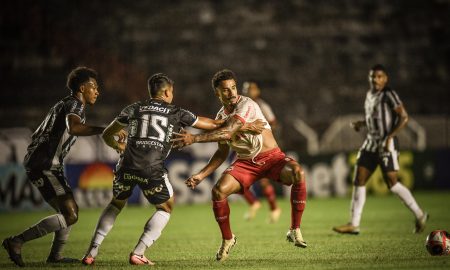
388 160
51 183
156 190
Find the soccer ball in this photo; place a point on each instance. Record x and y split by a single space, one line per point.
438 243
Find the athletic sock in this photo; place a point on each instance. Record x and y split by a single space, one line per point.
152 231
59 240
104 225
222 213
298 202
269 193
249 197
407 198
357 204
43 227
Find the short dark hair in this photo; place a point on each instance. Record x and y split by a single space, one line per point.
222 75
78 76
157 82
378 67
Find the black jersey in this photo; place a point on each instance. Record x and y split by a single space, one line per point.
380 116
51 141
151 124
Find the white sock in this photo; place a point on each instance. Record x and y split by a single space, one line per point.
59 240
407 198
152 231
43 227
357 205
104 225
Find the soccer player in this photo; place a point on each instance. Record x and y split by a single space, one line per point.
151 125
385 116
44 164
252 90
258 156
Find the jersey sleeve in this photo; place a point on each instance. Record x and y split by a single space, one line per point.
187 118
245 110
124 116
393 100
75 107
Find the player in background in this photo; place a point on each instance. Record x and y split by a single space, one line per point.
45 169
257 156
150 124
385 116
251 89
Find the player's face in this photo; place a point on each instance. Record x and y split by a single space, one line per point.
89 91
253 91
226 91
377 79
169 93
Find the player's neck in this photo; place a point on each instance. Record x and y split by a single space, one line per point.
79 96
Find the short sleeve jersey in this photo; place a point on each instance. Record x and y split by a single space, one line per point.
380 112
151 124
51 141
245 144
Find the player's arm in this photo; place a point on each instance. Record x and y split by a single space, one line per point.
216 160
206 123
221 134
357 125
76 128
115 129
401 123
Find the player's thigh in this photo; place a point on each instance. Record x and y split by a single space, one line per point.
389 163
366 163
166 206
225 186
122 186
51 184
157 191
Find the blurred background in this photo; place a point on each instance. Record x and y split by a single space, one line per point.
311 59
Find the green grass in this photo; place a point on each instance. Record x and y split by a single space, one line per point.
192 237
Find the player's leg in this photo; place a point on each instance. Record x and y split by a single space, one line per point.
365 165
405 195
224 187
160 194
293 174
254 204
52 185
122 190
269 192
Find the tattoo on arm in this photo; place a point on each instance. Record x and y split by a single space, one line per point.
221 134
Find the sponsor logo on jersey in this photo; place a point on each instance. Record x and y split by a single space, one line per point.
153 190
154 108
149 143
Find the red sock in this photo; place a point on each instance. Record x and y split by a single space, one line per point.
249 197
298 201
222 213
269 192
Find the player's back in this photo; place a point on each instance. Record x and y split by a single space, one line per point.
151 124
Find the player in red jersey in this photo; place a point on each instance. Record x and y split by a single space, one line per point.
257 156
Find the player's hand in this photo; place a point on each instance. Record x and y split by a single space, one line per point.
255 127
356 125
122 135
193 181
182 139
121 147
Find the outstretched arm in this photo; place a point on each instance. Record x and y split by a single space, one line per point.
76 128
216 160
115 129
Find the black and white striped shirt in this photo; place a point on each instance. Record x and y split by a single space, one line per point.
380 116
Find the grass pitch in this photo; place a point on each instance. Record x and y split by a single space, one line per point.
192 237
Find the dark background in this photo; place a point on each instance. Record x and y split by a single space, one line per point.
311 57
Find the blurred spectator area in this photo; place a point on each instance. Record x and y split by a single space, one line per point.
310 57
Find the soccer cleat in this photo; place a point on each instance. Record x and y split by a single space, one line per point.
347 229
224 250
13 248
421 222
275 215
88 260
52 259
139 260
251 214
295 235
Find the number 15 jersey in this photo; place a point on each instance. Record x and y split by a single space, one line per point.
151 124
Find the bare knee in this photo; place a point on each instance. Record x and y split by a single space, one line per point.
71 217
299 175
217 194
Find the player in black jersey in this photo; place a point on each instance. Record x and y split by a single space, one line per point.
385 116
44 164
150 124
